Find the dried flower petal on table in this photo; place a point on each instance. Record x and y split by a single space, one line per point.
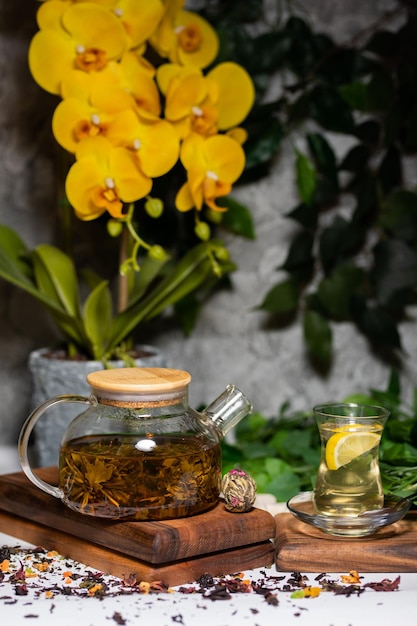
352 578
385 585
239 491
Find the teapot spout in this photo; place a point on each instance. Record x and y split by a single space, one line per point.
228 409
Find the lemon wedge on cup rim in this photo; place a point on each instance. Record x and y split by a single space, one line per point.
343 447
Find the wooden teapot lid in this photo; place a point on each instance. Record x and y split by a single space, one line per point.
138 380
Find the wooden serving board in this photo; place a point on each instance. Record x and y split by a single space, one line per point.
176 551
300 547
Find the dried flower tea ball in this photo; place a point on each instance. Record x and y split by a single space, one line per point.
239 491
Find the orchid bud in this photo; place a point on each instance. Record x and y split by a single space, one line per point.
221 253
114 228
158 253
154 207
202 230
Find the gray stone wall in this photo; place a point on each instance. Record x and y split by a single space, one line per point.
232 341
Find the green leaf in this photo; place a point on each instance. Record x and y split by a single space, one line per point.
399 215
305 215
390 173
377 325
300 255
367 203
56 277
275 466
13 254
237 218
306 48
97 316
290 443
192 271
383 43
150 269
250 428
355 95
394 270
358 398
54 296
263 143
257 450
269 51
381 90
369 132
281 299
324 157
334 292
284 486
356 159
391 452
332 242
187 311
318 337
306 177
330 110
231 457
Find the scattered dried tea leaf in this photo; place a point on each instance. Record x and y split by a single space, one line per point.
352 578
385 585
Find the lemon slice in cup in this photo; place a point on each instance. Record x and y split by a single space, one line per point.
343 447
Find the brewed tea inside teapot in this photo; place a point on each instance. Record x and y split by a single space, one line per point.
139 452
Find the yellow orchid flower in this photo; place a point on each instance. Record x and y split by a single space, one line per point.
196 42
205 104
186 94
235 93
213 164
74 121
155 145
137 78
104 178
140 18
90 103
82 36
130 81
164 38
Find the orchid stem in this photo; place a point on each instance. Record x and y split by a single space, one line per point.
123 280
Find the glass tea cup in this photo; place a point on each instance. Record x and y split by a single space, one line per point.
348 481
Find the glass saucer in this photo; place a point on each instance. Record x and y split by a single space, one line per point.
302 507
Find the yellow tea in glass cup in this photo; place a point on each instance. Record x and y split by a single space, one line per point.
348 481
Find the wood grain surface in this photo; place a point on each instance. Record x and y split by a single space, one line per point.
112 562
217 538
300 547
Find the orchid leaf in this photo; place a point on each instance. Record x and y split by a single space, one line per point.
186 311
97 315
16 272
13 254
56 277
150 269
193 270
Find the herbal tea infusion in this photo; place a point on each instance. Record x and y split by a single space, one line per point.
113 477
348 481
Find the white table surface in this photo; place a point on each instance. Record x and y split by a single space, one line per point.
169 609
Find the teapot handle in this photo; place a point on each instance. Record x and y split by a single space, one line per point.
24 437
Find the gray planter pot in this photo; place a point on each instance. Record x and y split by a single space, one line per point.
55 377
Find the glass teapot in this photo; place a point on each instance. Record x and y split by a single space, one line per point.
139 451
